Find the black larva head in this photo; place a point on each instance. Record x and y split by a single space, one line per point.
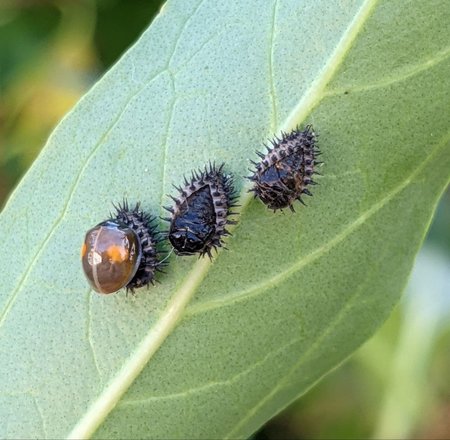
285 171
201 211
122 251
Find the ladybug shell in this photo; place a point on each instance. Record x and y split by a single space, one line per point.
110 256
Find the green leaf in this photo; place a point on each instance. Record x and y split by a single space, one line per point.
218 348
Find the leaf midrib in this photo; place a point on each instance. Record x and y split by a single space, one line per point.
305 261
99 410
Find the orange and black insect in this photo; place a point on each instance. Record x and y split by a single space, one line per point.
286 169
122 251
200 214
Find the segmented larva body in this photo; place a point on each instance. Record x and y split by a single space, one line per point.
286 169
201 212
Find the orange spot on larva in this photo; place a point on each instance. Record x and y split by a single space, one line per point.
83 250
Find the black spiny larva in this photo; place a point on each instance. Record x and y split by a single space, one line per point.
201 211
122 251
285 171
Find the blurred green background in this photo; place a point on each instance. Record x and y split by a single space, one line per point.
396 386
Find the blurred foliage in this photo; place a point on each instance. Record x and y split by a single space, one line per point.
51 52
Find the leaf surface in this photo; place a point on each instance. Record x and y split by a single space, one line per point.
218 348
